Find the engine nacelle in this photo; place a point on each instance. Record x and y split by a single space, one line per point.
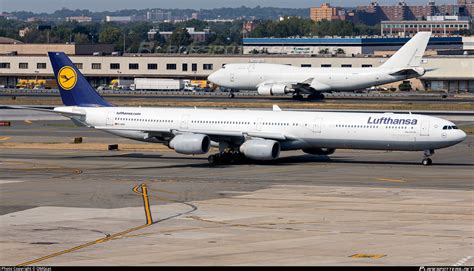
277 89
320 151
190 143
261 149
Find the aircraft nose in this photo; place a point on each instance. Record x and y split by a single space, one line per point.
462 135
214 78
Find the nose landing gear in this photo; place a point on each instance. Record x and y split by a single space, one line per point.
426 160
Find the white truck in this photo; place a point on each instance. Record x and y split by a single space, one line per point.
157 84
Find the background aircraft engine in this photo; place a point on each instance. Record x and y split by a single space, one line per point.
261 149
273 90
190 143
320 151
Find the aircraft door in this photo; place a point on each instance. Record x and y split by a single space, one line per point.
425 128
317 125
184 121
259 124
110 119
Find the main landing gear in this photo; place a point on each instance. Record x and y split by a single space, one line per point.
227 157
426 160
314 96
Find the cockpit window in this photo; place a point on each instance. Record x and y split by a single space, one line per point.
450 127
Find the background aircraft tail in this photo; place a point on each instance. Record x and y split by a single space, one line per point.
73 86
410 55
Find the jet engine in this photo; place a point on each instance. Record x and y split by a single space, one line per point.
320 151
190 143
278 89
261 149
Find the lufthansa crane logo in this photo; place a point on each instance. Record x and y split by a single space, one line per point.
67 77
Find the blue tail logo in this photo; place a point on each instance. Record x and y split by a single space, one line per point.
73 86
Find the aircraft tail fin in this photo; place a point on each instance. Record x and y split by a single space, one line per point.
410 54
73 86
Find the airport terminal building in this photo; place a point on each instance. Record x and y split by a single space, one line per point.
451 73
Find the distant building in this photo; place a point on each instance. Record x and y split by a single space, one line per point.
325 12
198 36
24 31
329 46
437 28
118 19
8 16
375 13
195 16
248 27
158 15
79 19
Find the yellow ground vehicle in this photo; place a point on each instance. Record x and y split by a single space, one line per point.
199 83
36 83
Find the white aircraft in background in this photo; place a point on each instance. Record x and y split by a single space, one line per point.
278 79
254 134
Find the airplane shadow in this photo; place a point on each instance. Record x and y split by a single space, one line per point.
289 160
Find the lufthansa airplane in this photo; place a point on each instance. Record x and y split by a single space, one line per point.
279 79
254 134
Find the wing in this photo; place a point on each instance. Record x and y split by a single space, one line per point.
311 85
216 135
308 86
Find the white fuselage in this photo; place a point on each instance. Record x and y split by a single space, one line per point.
298 130
250 76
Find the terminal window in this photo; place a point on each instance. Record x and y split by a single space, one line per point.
96 66
207 67
41 65
23 65
114 66
153 66
4 65
78 65
184 67
194 67
171 66
133 66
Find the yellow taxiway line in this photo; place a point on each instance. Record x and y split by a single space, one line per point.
149 222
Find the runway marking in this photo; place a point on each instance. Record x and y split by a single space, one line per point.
391 180
371 256
109 237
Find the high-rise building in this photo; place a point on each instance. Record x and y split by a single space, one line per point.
325 12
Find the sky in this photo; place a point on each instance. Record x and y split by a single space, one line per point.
112 5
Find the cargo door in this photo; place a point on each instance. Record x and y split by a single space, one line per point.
425 128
